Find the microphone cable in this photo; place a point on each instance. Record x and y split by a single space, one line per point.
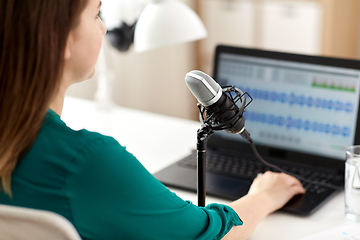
246 135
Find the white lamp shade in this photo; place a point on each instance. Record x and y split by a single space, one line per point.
165 23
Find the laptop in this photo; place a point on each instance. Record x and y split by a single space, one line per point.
304 113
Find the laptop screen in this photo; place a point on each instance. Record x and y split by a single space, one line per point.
302 105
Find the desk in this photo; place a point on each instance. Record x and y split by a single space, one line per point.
158 141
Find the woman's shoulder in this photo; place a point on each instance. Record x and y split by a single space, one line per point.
55 128
55 137
60 149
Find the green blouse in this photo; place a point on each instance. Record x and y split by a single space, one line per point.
105 191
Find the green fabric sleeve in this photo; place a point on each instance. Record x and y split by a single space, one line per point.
112 196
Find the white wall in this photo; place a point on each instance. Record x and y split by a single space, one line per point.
292 26
279 25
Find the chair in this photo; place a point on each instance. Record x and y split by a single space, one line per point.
17 223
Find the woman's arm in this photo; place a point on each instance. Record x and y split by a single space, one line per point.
112 196
268 193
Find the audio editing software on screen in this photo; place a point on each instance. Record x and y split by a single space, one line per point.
305 107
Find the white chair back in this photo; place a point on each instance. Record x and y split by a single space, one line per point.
17 223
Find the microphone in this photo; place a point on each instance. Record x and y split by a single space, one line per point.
221 109
222 113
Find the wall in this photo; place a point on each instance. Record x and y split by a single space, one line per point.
278 25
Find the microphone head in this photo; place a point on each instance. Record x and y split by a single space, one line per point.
203 87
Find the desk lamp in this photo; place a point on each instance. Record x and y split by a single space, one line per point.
161 23
167 22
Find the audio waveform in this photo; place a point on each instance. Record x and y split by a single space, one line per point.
300 100
297 123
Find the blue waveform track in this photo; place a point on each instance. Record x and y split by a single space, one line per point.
297 123
300 100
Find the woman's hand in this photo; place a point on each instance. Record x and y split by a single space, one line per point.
278 187
268 193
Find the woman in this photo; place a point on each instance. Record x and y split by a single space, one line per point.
89 178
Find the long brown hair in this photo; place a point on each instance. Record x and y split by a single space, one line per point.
33 37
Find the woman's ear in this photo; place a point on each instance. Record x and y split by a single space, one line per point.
67 52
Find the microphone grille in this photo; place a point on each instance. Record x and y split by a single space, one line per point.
202 86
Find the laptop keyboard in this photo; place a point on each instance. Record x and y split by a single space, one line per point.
249 167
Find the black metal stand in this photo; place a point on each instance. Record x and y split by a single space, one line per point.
202 136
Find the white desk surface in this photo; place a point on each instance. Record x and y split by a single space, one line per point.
158 140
